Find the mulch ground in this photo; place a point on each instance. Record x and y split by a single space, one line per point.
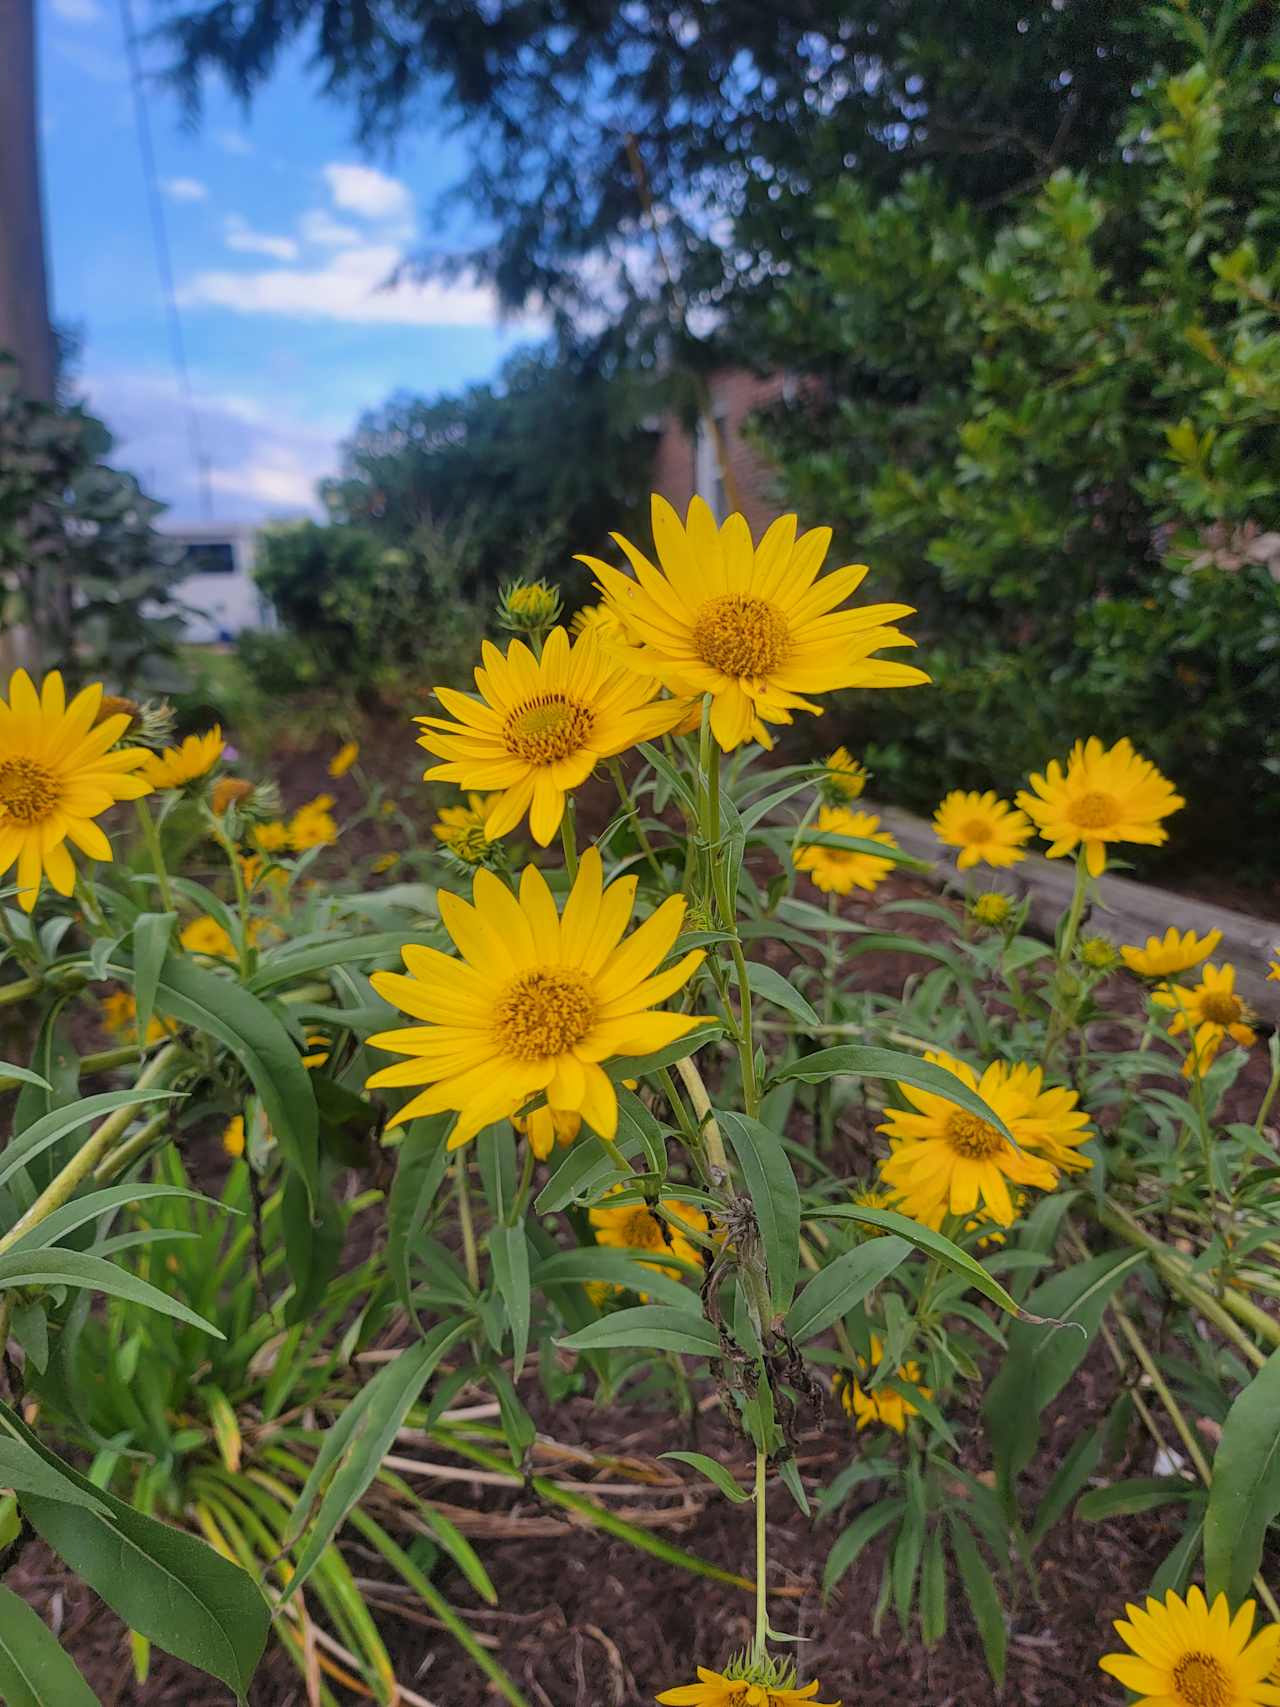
585 1621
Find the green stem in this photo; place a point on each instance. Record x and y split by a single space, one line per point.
89 901
103 1062
131 1149
629 806
19 990
1059 1020
693 1083
155 851
569 840
762 1591
64 1185
522 1192
462 1190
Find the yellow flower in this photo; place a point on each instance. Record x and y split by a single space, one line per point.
1212 1011
540 727
120 1015
983 827
870 1197
229 791
948 1159
600 620
529 605
272 837
634 1227
992 909
1273 967
344 758
233 1136
839 869
313 825
1172 953
206 936
718 1689
1190 1654
547 1127
882 1404
845 778
384 862
57 774
179 765
461 829
536 1003
1098 953
750 625
1052 1124
1105 794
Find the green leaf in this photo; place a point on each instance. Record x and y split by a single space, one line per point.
615 1268
774 1195
163 1583
577 1171
1245 1495
152 933
1175 1568
25 1076
35 1669
835 1289
26 1472
851 1542
634 1066
79 1268
714 1472
983 1598
770 986
1138 1493
932 1244
84 1209
60 1121
933 1591
293 962
1072 1474
509 1252
868 1063
354 1446
653 1327
420 1168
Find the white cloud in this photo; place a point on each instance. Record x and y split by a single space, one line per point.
238 235
281 484
319 226
97 62
78 11
365 191
348 287
231 141
184 189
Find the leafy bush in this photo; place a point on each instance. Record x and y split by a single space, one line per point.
1058 435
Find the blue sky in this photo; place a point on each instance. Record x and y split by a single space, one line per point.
281 234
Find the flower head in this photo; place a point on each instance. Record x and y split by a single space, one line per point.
120 1015
838 869
58 772
870 1197
601 620
1105 794
1211 1011
881 1404
845 779
983 827
312 825
993 909
540 727
1186 1653
530 607
536 1002
206 936
272 837
1174 952
461 829
177 766
343 759
634 1226
546 1127
229 791
1098 953
233 1136
946 1159
747 1681
749 624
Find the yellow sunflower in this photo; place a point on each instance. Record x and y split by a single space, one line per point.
992 909
744 1686
206 936
546 1127
750 625
983 827
57 774
882 1404
176 766
233 1136
120 1015
540 726
272 837
227 792
1174 952
1053 1125
1186 1653
537 1001
1212 1011
946 1159
846 777
313 825
839 870
633 1226
600 620
343 759
1105 794
530 606
461 829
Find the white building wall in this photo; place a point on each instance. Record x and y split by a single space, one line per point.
223 598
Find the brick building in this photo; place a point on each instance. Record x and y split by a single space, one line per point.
685 463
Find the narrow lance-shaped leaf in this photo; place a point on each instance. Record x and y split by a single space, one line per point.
868 1063
1245 1495
35 1669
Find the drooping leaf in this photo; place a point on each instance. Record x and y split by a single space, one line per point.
1245 1495
509 1252
80 1268
35 1669
835 1289
862 1062
653 1327
714 1472
774 1195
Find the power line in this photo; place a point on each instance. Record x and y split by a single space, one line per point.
163 254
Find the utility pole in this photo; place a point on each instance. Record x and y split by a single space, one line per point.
25 331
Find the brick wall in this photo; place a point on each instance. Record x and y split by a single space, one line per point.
735 394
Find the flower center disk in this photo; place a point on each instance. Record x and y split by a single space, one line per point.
972 1138
28 792
1094 811
1201 1682
975 830
1221 1008
643 1232
548 728
741 636
544 1012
